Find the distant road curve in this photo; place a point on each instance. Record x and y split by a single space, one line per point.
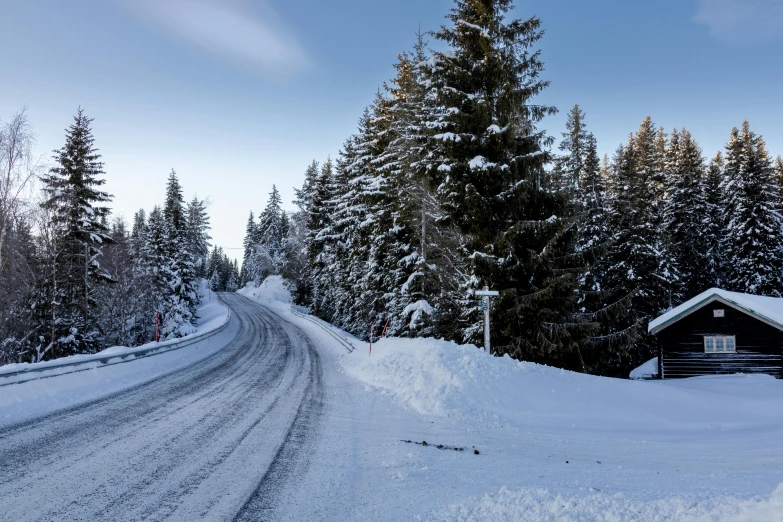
218 440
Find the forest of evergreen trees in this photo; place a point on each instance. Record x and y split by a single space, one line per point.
450 184
75 280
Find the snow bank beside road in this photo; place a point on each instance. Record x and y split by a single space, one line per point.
460 381
540 505
212 314
25 400
272 292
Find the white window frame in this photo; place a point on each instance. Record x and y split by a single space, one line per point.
720 344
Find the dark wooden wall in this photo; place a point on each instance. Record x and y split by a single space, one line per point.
759 345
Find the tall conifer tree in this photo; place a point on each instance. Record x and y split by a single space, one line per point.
752 245
495 186
78 211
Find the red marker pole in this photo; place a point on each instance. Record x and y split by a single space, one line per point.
371 329
385 329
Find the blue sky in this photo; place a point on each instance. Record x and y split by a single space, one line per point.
239 94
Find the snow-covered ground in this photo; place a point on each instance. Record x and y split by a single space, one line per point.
553 445
19 402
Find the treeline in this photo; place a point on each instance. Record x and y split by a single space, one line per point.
450 184
73 279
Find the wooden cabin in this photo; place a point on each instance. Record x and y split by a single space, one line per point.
720 332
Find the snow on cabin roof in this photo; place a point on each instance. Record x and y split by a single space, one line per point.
767 309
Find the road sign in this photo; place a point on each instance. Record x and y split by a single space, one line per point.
483 306
486 293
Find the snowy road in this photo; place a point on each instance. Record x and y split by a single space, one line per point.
274 427
220 440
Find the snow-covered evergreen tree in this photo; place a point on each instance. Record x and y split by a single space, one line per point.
639 259
752 243
495 186
712 227
66 303
174 207
580 177
248 266
686 211
197 234
268 247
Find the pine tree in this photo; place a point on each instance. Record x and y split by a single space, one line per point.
76 205
174 208
268 247
179 306
580 178
425 266
305 195
685 213
779 181
319 221
712 227
248 270
639 260
751 245
495 186
197 221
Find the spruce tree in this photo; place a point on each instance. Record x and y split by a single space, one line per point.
751 245
319 221
639 261
580 178
248 273
174 207
495 186
685 213
712 227
779 181
426 267
197 234
78 213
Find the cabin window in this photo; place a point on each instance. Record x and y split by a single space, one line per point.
718 312
720 344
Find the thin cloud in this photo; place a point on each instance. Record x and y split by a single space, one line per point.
742 21
251 36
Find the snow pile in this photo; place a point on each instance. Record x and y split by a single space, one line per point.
272 291
646 370
540 505
462 382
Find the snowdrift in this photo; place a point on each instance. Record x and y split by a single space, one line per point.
460 381
273 291
542 506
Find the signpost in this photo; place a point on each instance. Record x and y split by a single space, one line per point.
486 294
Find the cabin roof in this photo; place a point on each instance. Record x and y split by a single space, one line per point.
766 309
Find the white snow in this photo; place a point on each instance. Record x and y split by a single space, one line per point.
554 445
770 308
272 290
464 383
541 505
646 370
480 163
417 311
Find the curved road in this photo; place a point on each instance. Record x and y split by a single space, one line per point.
219 440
